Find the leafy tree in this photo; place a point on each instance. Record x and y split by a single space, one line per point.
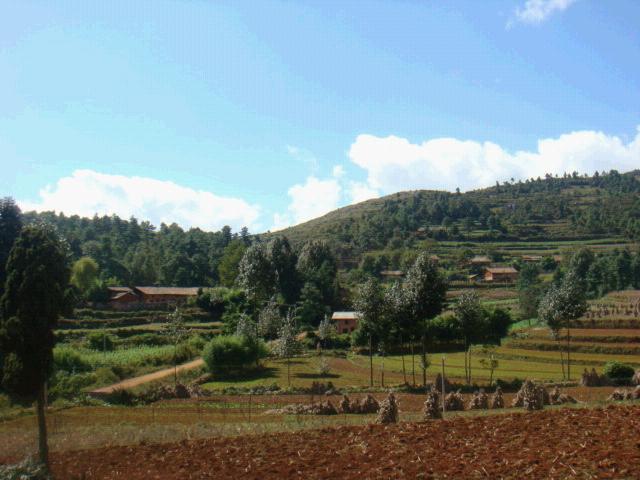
283 260
228 266
311 309
231 355
269 320
10 226
468 312
398 312
562 305
177 331
256 275
36 294
287 345
84 274
529 290
326 330
369 303
247 328
317 264
426 290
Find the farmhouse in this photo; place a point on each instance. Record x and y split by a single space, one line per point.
392 273
122 298
531 258
500 274
480 260
346 322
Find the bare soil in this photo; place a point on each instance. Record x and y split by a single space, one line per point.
564 443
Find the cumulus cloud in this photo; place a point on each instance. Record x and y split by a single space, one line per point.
359 192
309 200
338 171
87 192
393 163
534 12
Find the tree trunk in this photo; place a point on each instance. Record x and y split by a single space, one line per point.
370 360
413 362
466 371
469 356
424 362
382 371
43 448
404 371
288 372
568 354
561 358
175 365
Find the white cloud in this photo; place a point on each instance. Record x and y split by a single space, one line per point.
359 192
338 171
304 156
534 12
309 200
394 164
87 192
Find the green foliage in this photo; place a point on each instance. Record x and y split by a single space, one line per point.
101 341
369 303
269 320
563 303
10 226
426 289
84 274
228 266
69 359
618 371
36 294
70 386
256 274
311 309
232 355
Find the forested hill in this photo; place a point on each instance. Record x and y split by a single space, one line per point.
550 208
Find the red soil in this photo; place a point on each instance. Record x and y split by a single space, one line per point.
568 443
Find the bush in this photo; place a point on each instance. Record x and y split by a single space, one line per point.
618 371
68 386
151 339
101 341
230 354
69 360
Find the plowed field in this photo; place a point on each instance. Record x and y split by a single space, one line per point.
566 443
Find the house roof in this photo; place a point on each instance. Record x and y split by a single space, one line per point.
532 258
392 273
502 270
118 289
345 316
184 291
480 259
120 295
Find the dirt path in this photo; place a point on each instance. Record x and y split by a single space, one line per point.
150 377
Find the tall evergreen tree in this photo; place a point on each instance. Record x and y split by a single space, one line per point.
36 295
10 226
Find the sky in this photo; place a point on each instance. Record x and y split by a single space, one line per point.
267 113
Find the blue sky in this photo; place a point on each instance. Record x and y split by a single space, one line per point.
268 113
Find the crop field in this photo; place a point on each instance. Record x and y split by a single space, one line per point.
217 416
595 443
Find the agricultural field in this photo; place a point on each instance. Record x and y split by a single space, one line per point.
595 443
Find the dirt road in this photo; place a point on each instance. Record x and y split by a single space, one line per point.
150 377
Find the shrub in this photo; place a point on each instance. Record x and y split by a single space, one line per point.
106 376
65 385
618 371
101 341
151 339
69 360
229 354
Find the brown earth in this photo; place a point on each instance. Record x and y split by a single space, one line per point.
566 443
150 377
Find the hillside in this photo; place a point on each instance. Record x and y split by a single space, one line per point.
565 208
